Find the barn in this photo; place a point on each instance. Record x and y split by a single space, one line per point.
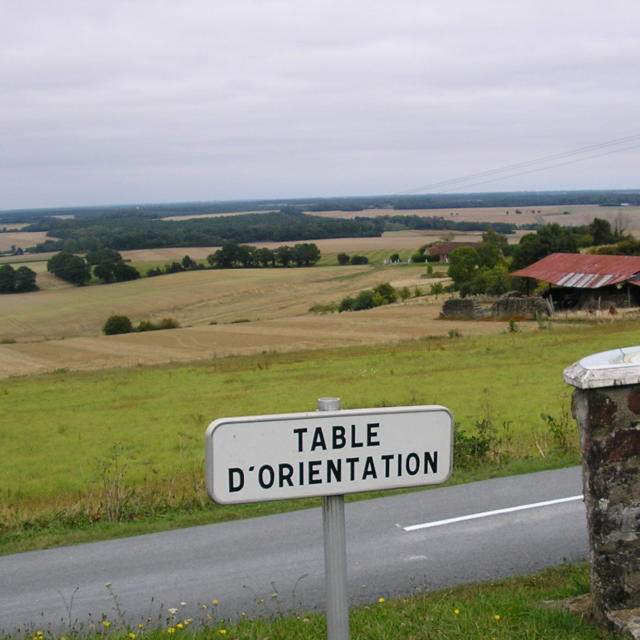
584 281
443 249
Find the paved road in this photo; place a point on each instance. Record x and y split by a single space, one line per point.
391 551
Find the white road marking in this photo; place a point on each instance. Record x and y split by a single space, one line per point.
487 514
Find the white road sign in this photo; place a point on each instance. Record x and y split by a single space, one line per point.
301 455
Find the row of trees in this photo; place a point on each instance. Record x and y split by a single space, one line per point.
108 265
232 255
18 280
345 258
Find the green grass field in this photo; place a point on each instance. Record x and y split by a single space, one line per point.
82 442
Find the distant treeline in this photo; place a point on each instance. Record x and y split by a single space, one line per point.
114 231
138 232
398 202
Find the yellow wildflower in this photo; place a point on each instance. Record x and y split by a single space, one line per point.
223 632
132 635
171 630
214 603
456 611
380 600
106 624
496 617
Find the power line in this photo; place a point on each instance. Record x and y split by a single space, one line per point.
531 166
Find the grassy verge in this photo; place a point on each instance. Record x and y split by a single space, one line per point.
67 526
505 610
111 453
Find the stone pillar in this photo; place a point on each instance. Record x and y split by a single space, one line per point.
606 405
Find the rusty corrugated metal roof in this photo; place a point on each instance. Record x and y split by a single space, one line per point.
583 271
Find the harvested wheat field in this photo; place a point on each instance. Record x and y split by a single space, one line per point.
22 239
192 298
415 318
627 218
388 242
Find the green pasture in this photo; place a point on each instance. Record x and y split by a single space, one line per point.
59 430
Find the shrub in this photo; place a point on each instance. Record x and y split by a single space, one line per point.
364 300
117 324
343 258
436 289
166 323
347 304
387 292
359 260
330 307
146 325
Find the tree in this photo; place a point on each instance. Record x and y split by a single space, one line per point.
103 255
104 271
173 267
305 254
265 257
117 324
224 258
123 272
284 255
343 259
188 263
7 279
69 267
552 238
359 260
25 280
496 239
463 263
600 231
246 255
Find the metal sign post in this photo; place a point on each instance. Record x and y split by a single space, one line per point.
327 453
335 554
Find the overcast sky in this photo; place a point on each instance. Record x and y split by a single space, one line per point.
119 101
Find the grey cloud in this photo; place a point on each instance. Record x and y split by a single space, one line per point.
278 98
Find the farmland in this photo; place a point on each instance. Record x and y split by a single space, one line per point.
85 415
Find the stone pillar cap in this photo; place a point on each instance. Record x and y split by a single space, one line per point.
606 369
